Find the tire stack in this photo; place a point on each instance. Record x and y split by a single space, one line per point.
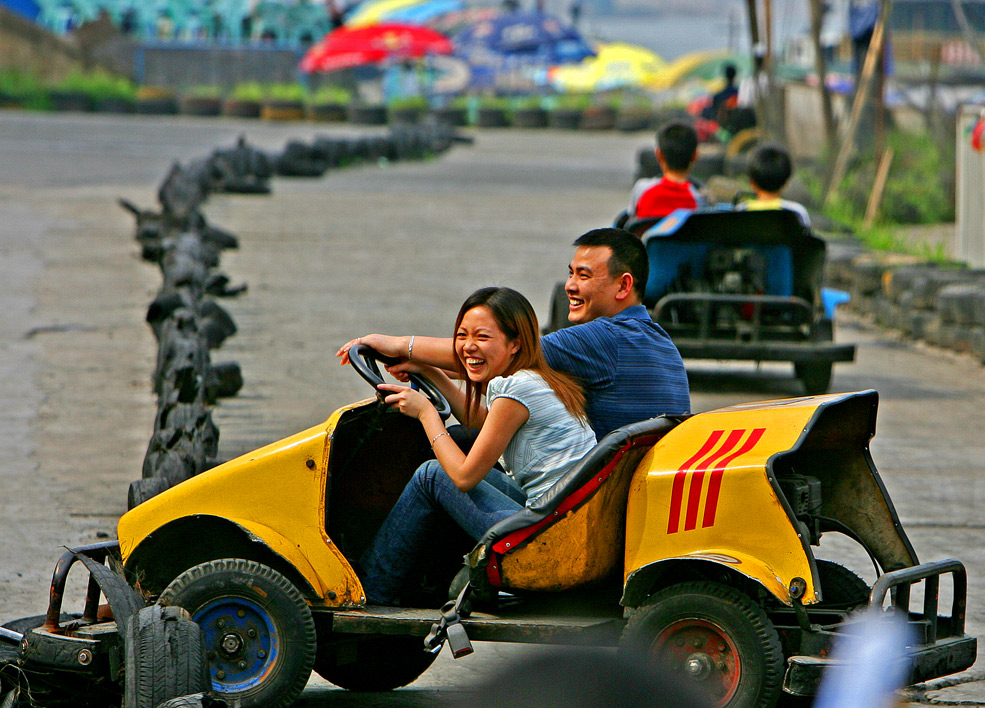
186 319
403 141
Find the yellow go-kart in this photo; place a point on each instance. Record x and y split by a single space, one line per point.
690 538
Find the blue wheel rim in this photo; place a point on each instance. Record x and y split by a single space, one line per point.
242 643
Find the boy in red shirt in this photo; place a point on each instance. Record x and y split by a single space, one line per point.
677 147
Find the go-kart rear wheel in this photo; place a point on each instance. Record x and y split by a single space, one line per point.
816 377
259 633
373 662
841 587
716 638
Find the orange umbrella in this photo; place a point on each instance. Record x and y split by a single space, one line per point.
344 48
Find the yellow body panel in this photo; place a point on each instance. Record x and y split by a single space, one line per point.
276 493
703 493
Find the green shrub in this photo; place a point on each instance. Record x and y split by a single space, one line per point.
97 85
522 103
285 92
203 91
23 88
573 101
332 93
418 102
494 102
249 91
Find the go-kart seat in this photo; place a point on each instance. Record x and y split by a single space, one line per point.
574 533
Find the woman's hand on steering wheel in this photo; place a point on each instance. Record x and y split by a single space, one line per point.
364 361
403 370
411 403
386 345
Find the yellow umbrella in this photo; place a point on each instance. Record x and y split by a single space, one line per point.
374 11
688 66
615 65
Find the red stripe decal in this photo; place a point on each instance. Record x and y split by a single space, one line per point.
715 483
698 476
677 494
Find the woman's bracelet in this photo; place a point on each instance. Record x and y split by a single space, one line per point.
410 348
438 436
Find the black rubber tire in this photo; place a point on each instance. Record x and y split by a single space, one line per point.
275 630
815 377
165 657
374 662
194 700
841 588
143 489
728 617
26 624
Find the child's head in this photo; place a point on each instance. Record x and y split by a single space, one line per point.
678 144
770 168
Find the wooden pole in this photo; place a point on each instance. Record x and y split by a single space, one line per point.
753 15
878 188
820 68
861 95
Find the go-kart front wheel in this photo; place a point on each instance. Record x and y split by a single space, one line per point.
259 633
716 638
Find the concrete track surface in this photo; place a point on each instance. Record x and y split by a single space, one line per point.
392 248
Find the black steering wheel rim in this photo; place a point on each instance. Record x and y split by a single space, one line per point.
365 361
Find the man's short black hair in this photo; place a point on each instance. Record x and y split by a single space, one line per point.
678 143
628 254
729 71
770 168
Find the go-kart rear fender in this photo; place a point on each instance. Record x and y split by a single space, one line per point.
708 490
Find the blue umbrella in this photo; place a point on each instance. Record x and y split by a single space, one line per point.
509 51
526 33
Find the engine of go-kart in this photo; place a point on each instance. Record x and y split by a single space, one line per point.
803 494
736 271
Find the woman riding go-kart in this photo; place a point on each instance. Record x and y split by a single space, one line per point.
534 419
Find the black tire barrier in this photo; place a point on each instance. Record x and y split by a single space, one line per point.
530 118
403 141
186 320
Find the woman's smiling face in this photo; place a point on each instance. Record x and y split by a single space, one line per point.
482 346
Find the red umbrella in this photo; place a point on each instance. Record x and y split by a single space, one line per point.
345 48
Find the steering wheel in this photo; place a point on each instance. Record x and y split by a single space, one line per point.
364 360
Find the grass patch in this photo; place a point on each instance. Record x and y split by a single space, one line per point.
919 190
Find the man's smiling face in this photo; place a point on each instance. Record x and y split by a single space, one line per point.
590 288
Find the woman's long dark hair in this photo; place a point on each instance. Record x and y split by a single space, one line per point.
518 321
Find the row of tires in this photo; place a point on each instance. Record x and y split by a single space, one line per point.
186 320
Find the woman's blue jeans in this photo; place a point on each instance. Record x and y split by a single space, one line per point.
416 521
